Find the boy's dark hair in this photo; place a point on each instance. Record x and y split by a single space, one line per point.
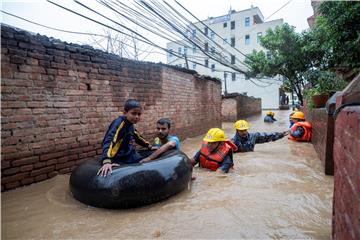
131 104
163 121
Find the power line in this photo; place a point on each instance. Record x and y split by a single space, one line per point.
80 33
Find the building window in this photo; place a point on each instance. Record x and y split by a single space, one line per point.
206 30
212 35
194 48
233 42
206 63
213 67
232 59
194 66
185 50
247 77
179 65
233 76
268 55
225 75
206 47
193 33
179 50
232 25
247 39
170 52
259 35
225 24
212 49
247 21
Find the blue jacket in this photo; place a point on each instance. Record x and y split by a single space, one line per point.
117 146
247 143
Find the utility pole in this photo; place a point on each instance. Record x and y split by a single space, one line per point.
225 75
186 61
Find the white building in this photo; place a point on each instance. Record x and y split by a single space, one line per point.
237 29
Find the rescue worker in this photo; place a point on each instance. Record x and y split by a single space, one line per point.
300 130
164 141
269 117
216 152
290 119
246 141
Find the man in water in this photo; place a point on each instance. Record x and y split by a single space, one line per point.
164 141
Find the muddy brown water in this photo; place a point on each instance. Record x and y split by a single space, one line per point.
279 191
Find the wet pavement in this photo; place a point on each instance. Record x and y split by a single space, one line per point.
279 191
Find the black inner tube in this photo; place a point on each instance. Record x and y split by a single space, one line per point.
132 185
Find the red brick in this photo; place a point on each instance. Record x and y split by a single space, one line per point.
26 168
39 165
41 177
42 170
51 155
65 165
52 174
25 161
27 181
64 170
12 185
5 164
51 162
11 171
13 178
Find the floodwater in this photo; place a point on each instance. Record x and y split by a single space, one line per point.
279 191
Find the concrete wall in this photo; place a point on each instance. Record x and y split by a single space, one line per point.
58 100
238 106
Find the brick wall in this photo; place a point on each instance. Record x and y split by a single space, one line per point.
58 100
237 106
322 136
346 218
346 204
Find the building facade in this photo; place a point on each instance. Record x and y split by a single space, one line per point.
229 38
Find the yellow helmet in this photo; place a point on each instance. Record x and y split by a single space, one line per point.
215 135
270 113
241 125
298 115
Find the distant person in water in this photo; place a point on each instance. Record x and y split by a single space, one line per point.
117 146
164 141
216 152
246 141
270 117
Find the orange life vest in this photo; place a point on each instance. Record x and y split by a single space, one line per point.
307 131
213 160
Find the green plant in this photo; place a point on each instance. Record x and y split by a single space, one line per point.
322 83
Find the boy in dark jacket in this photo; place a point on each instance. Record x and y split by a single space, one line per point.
117 146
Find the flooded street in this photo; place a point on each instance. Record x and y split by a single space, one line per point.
278 191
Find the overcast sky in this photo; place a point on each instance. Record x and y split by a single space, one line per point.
294 12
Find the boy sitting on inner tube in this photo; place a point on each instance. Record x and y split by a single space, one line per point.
216 152
163 142
117 146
